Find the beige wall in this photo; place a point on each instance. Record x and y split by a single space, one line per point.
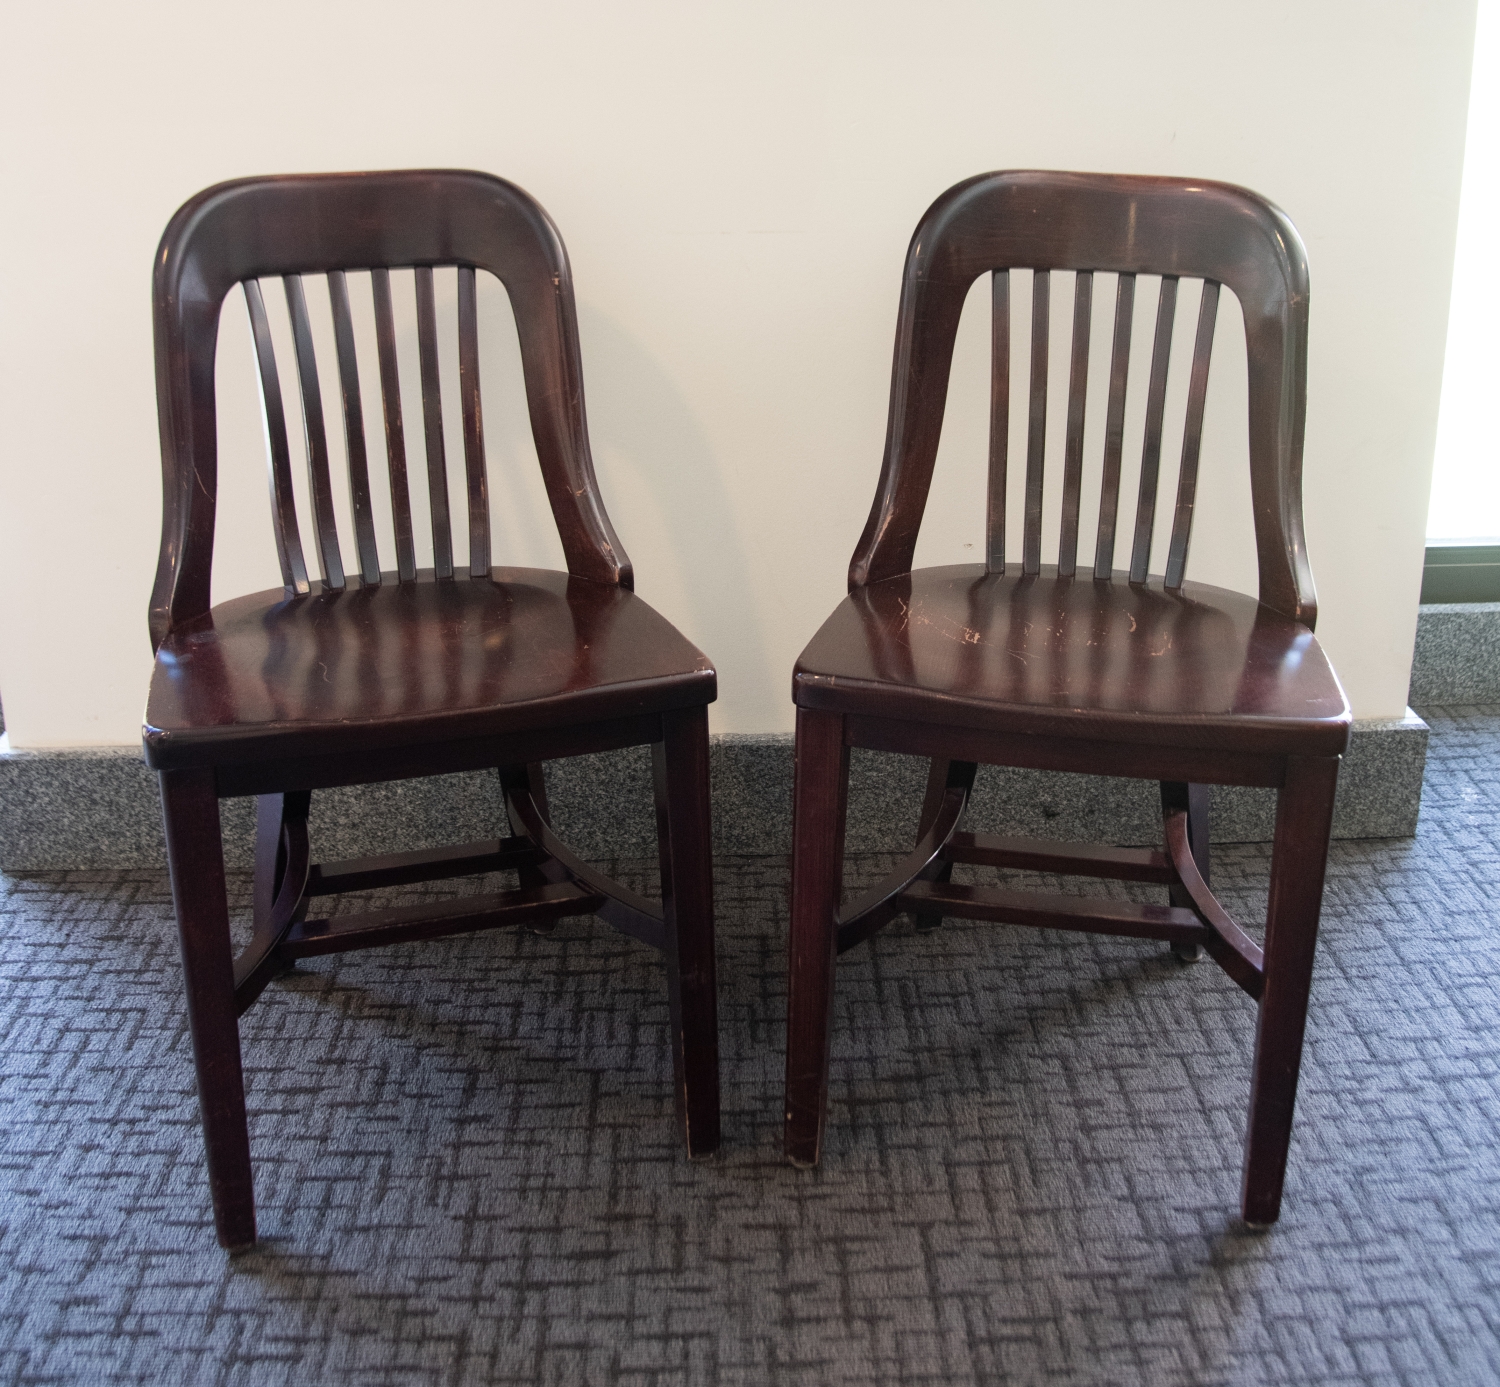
736 185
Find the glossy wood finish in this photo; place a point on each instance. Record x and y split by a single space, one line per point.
395 429
1304 817
195 857
1203 667
1116 673
933 802
283 500
1156 405
257 227
999 419
820 802
473 416
680 778
432 424
320 483
1036 420
1078 375
410 662
372 675
1125 225
930 864
1192 437
354 429
1114 427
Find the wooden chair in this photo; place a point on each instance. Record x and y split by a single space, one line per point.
1098 671
380 675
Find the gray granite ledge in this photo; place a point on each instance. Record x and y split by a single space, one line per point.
1457 655
97 807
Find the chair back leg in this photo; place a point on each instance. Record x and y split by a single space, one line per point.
270 856
681 782
195 858
820 795
274 814
1176 794
937 787
1299 858
531 778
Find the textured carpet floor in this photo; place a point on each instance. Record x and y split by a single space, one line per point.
467 1172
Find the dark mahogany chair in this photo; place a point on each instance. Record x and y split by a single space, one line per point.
1100 671
380 675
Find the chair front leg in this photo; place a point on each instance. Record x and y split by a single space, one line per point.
1304 820
195 858
820 794
680 776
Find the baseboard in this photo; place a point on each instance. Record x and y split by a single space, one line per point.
97 808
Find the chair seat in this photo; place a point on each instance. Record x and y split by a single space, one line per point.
1202 667
412 663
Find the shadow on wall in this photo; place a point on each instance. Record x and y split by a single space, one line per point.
664 488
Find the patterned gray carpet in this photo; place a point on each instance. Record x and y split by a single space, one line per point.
467 1172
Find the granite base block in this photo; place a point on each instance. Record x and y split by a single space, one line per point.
98 807
1457 655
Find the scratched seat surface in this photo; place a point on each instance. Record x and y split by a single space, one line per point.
1197 666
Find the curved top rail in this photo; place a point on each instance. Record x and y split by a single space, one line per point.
1112 223
256 227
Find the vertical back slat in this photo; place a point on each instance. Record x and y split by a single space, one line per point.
1036 423
395 432
1114 428
999 420
1192 436
432 424
331 560
1078 380
468 387
1156 402
279 455
354 430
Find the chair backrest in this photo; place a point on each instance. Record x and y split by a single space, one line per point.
242 231
1129 226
